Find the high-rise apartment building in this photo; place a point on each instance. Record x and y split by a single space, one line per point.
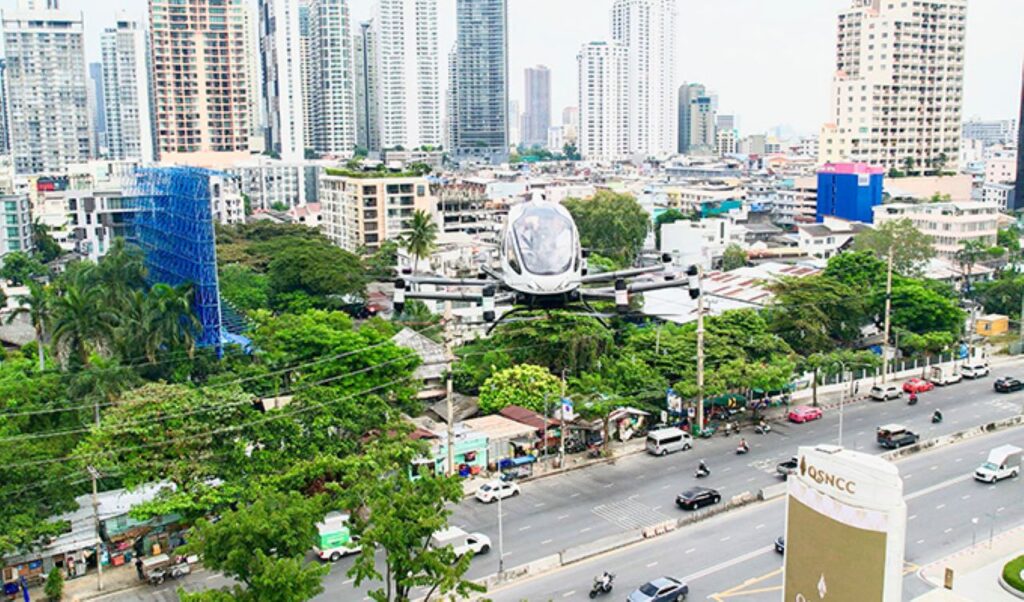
1002 131
126 103
367 105
47 87
5 124
201 70
281 56
571 116
306 53
702 125
361 211
725 122
604 116
1018 192
687 92
409 89
647 28
97 117
332 77
898 89
452 98
537 117
515 122
480 122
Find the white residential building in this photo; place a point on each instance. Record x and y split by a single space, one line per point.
16 233
281 50
647 28
949 224
726 142
126 102
898 89
603 102
332 77
269 182
365 211
46 86
1003 131
828 238
1001 166
537 116
409 89
306 53
794 202
998 194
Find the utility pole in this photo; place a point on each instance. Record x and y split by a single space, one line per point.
96 520
700 350
449 393
501 540
561 427
888 311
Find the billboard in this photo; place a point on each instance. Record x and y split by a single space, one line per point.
845 528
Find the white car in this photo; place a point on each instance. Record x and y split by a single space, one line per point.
974 369
492 491
885 392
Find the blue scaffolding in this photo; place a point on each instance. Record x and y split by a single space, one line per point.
173 224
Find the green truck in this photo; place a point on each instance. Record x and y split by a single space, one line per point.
333 539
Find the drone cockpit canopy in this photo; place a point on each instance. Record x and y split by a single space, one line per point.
544 240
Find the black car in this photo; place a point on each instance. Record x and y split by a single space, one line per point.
697 497
780 544
1007 384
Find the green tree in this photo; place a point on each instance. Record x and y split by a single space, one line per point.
909 163
524 385
46 246
82 323
668 216
401 512
1009 239
571 152
733 257
611 224
382 262
262 545
327 276
919 308
421 239
54 588
20 267
1002 295
832 363
816 313
910 248
119 272
35 305
245 288
600 407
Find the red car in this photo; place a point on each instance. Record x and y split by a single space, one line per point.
804 414
916 385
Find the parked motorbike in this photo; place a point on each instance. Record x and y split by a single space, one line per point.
602 586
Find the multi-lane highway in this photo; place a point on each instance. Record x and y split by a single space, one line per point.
583 506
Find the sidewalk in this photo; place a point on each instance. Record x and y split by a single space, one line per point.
115 578
976 569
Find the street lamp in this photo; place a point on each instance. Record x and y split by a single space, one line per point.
842 394
501 541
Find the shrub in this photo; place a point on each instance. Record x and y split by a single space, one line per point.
54 587
1011 573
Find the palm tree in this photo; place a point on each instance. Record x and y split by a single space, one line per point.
36 305
172 321
83 322
102 382
121 270
420 241
970 253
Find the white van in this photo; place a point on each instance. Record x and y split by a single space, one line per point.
1003 462
667 441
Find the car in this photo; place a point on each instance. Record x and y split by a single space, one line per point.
802 414
974 369
1008 384
493 490
917 385
663 589
697 497
885 392
895 436
780 544
784 469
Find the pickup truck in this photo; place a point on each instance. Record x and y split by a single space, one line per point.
788 467
894 436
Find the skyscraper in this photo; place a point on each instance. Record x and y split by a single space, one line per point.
647 28
1018 191
452 98
702 125
515 123
897 93
126 103
306 52
537 118
687 93
480 123
47 87
333 88
201 105
603 133
408 88
99 120
367 105
281 55
5 124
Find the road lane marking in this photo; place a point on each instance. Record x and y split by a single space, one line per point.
585 529
948 530
690 551
711 570
726 538
912 517
577 494
920 541
563 517
937 487
524 528
347 582
940 506
966 497
652 564
546 542
567 594
539 504
607 485
761 526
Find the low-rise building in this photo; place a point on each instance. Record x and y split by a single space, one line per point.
949 224
998 194
828 238
16 234
794 201
363 209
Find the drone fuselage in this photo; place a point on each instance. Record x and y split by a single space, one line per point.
540 254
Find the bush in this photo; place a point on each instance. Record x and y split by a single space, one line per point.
524 385
54 588
1011 573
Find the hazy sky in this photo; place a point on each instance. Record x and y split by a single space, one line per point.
770 61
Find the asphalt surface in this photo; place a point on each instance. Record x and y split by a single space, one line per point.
730 556
585 505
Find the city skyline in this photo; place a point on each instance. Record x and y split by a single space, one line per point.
750 81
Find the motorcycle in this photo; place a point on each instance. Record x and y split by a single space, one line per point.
913 399
742 449
763 429
600 586
701 473
936 418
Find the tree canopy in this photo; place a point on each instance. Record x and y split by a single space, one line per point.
911 249
611 224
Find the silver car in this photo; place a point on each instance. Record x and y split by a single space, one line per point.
663 589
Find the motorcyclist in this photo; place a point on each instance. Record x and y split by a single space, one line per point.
703 468
913 398
744 446
937 416
605 580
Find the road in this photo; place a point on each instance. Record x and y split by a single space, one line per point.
585 505
730 557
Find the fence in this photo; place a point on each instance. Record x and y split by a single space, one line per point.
895 367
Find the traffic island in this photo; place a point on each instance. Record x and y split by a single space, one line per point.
1011 578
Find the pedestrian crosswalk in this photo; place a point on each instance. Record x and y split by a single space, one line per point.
629 514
